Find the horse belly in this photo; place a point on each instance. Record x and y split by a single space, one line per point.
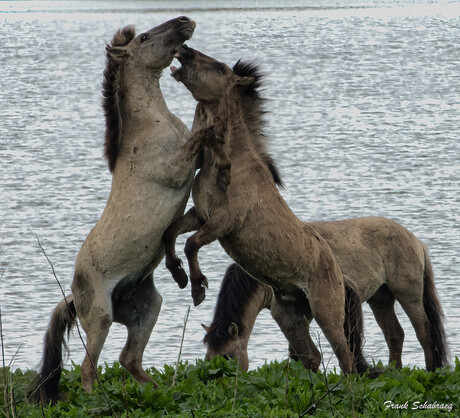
273 256
127 240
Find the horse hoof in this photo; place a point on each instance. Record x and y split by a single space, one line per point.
180 276
198 299
373 372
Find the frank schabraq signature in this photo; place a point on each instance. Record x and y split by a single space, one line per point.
418 405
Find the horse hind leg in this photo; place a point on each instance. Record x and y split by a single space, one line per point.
328 308
139 314
382 305
94 309
293 316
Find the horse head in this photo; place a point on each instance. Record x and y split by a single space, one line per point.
154 48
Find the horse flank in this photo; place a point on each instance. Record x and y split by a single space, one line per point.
113 122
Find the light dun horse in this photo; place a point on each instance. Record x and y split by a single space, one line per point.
252 221
152 161
385 262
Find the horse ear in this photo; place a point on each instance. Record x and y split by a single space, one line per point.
233 330
117 52
206 328
244 80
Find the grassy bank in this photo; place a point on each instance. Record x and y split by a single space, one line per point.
219 389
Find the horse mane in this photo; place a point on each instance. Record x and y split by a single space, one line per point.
110 103
236 290
253 113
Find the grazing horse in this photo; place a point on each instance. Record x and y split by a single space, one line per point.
152 159
385 262
252 222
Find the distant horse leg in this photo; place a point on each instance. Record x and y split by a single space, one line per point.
382 305
94 308
214 228
413 306
188 222
328 308
293 316
139 314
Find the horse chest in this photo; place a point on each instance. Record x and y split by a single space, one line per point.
205 193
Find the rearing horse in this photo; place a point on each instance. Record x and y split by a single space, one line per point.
251 220
152 158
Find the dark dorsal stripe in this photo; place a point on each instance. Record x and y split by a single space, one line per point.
235 293
110 98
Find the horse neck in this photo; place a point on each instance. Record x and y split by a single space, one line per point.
140 96
262 299
237 135
253 117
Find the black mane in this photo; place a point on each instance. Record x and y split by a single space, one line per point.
254 114
235 292
110 98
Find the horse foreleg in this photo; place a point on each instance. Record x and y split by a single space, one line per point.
186 223
213 229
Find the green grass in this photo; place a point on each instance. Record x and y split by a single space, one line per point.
207 389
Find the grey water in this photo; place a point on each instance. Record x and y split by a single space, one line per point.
363 102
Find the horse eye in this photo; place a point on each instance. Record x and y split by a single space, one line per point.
144 37
221 68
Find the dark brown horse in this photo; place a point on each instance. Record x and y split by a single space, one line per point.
252 221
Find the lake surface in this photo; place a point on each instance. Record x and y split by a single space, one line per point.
364 119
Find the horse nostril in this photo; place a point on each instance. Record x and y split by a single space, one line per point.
183 19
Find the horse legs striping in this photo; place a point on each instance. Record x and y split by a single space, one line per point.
188 222
294 317
382 305
139 314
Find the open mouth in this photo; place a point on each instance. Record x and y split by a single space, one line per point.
176 72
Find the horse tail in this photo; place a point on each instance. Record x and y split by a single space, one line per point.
353 326
435 315
47 381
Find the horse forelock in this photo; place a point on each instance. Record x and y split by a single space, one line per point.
234 296
110 97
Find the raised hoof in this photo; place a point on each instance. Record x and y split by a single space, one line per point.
197 299
180 277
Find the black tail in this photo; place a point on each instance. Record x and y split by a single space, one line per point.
353 326
46 384
435 315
